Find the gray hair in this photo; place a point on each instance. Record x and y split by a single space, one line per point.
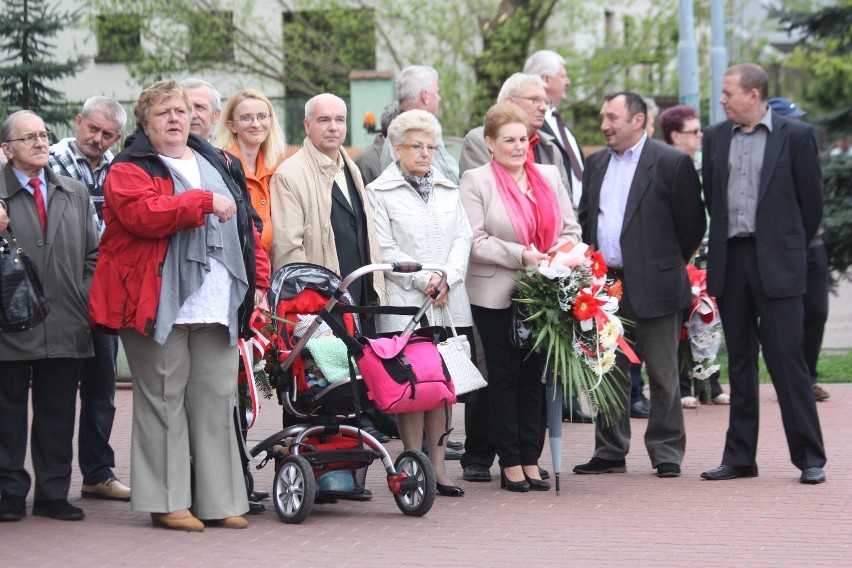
544 62
512 86
391 112
194 83
413 80
413 120
653 109
110 108
309 106
8 124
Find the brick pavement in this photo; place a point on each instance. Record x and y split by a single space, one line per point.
631 519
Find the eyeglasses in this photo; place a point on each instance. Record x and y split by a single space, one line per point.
249 118
694 131
537 101
417 147
31 139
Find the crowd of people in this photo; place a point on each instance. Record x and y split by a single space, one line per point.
170 246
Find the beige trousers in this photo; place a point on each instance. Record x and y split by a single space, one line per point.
184 450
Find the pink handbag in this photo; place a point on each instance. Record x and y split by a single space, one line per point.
405 373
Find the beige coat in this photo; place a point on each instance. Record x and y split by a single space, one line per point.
495 256
301 213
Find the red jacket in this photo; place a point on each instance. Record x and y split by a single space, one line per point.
141 213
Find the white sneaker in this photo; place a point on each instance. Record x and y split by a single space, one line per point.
689 402
722 399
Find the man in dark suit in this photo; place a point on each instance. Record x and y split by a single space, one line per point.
762 184
641 207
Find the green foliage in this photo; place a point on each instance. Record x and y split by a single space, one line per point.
831 368
837 188
25 28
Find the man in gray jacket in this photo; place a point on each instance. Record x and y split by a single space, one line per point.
51 220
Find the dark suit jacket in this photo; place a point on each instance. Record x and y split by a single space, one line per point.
663 225
789 206
557 141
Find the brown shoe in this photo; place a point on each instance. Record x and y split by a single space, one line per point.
820 394
228 523
177 522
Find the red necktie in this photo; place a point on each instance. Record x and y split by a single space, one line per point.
576 168
35 183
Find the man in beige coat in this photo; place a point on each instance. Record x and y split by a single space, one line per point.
319 211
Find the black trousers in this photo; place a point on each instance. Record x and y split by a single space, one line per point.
514 387
815 304
54 402
752 320
478 442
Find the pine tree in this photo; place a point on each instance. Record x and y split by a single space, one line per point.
27 63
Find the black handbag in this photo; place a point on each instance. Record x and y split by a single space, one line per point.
520 331
22 302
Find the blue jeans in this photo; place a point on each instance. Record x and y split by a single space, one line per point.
97 410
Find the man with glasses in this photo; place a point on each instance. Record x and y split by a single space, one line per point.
86 158
51 219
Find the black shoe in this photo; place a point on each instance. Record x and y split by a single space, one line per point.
537 484
57 509
258 495
12 508
724 472
640 409
599 465
457 446
812 475
449 490
518 486
381 438
451 454
476 472
668 470
543 473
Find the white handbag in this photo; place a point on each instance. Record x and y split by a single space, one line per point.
455 352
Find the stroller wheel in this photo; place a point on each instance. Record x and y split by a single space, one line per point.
417 500
294 490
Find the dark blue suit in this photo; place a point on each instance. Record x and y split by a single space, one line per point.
759 282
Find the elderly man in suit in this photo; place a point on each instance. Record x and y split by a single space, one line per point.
641 207
762 184
51 219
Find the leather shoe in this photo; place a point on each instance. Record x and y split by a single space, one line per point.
640 409
449 490
724 472
543 473
451 454
476 472
812 476
457 446
668 470
227 523
518 486
188 523
57 509
381 438
820 394
12 508
600 465
537 484
110 488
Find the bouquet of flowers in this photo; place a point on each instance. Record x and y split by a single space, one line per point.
701 335
259 354
571 306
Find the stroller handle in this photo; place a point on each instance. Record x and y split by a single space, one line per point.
400 267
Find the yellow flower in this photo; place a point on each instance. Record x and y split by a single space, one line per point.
609 334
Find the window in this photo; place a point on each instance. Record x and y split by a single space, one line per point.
211 36
119 38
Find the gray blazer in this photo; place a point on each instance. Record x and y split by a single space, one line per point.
495 255
65 260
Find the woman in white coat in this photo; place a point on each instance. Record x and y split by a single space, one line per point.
419 217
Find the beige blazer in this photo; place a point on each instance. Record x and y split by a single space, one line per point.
495 256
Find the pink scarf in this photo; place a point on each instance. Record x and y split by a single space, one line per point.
537 221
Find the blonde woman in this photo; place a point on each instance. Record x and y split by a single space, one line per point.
250 130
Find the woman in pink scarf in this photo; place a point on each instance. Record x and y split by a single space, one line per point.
518 211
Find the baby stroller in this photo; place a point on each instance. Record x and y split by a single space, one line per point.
317 458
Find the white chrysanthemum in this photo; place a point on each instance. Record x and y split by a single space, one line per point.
605 363
609 334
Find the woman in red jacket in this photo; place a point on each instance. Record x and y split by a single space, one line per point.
179 273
